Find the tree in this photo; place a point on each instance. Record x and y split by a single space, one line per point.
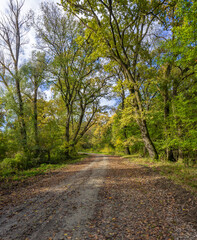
176 59
79 79
120 28
121 90
34 73
3 147
13 28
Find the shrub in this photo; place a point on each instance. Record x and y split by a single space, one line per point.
10 163
17 163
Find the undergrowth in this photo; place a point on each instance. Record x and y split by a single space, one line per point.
14 174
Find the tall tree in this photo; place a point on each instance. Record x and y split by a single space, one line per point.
13 29
121 30
74 73
34 73
177 63
121 90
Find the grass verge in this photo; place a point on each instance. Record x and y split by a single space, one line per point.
19 175
177 172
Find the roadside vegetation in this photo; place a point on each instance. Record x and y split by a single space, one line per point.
11 172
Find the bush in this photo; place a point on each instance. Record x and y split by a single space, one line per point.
58 155
17 163
10 163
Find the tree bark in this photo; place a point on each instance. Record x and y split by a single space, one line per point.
36 138
49 155
21 114
146 139
144 151
127 150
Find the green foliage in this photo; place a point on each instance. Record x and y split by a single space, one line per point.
3 147
186 31
9 165
15 174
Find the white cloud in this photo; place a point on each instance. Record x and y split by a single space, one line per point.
106 102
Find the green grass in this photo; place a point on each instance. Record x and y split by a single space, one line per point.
177 172
19 175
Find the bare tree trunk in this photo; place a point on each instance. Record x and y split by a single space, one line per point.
127 150
67 134
36 138
49 155
21 115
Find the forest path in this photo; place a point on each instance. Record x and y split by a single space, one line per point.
103 197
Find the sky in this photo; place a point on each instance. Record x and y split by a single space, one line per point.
29 4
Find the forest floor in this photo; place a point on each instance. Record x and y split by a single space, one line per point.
102 197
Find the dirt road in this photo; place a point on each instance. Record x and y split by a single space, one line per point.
100 198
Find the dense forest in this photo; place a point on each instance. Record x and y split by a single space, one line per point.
138 54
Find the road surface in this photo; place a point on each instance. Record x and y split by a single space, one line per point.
102 198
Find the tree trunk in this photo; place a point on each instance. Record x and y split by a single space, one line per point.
36 138
21 115
67 153
147 140
127 150
67 134
49 155
170 155
144 151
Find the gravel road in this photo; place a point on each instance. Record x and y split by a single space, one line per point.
102 198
